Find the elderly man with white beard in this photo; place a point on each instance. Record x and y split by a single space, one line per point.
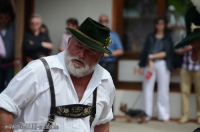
68 92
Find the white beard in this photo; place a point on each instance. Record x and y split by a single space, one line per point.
196 3
75 69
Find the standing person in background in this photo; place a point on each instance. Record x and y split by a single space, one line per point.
36 43
108 62
45 30
7 32
70 23
190 72
156 59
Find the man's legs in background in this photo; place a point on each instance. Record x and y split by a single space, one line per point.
195 78
185 84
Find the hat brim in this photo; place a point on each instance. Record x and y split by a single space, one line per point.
187 40
88 42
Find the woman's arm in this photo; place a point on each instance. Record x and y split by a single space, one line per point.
102 127
159 55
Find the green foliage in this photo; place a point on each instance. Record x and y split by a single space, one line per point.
181 5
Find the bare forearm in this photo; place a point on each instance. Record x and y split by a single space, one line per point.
117 52
159 55
183 50
180 52
6 118
102 128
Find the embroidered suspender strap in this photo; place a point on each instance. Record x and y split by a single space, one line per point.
53 99
93 114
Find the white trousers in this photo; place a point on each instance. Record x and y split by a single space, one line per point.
162 75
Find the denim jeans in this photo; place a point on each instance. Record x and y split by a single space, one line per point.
6 74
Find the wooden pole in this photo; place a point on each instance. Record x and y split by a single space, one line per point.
161 7
117 16
19 33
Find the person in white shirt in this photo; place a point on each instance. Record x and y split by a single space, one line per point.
70 23
80 95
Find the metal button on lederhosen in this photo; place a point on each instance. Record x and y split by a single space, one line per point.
70 111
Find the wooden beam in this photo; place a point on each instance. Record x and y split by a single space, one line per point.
161 4
117 16
19 33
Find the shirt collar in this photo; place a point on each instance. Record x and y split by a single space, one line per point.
99 72
59 63
98 75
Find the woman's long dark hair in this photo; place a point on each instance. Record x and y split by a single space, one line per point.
165 22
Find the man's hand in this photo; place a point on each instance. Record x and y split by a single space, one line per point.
183 50
47 45
106 55
118 52
187 48
102 128
6 118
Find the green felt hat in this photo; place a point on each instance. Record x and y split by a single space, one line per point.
93 35
192 18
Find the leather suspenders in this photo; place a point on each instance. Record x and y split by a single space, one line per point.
53 99
80 110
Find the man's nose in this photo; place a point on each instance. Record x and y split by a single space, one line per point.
81 53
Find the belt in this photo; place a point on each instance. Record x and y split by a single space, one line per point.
7 64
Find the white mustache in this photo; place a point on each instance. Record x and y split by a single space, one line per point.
79 59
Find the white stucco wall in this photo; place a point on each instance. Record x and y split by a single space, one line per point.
55 12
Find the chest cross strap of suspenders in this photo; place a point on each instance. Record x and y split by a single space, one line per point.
70 111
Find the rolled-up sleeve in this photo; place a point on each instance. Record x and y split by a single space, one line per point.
21 91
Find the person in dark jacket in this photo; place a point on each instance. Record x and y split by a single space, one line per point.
156 59
7 33
36 44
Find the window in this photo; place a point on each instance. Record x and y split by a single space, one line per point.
138 18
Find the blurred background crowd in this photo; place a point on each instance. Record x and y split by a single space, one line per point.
143 30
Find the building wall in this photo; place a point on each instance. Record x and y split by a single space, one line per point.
133 99
55 12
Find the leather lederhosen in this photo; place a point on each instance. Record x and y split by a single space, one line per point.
70 111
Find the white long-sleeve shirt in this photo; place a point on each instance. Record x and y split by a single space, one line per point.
28 95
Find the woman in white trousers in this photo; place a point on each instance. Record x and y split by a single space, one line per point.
162 75
156 59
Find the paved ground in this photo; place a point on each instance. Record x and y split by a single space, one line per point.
154 126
